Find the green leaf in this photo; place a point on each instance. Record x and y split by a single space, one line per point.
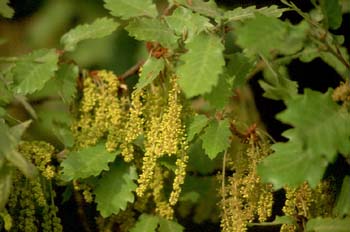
169 226
240 14
216 137
5 185
65 80
238 67
131 8
146 223
291 165
261 34
101 27
274 36
90 161
32 71
332 12
150 70
115 189
202 65
152 30
328 225
197 124
342 206
278 86
220 95
5 10
324 128
186 23
207 8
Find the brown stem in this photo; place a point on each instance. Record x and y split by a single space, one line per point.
131 71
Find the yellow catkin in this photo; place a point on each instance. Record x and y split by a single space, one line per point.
41 154
305 202
134 126
244 198
163 209
101 113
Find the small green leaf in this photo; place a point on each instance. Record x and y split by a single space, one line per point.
240 14
196 126
187 23
220 95
328 225
278 86
150 71
216 137
65 81
332 12
90 161
169 226
32 71
152 30
238 67
115 189
202 65
291 165
5 10
131 8
146 223
101 27
207 8
342 206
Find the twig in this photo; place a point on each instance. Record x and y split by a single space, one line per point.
131 71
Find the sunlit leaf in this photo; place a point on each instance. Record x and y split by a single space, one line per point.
240 14
207 8
152 30
115 189
131 8
196 126
150 70
90 161
187 23
32 71
216 137
202 65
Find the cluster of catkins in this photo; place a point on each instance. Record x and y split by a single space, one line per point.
245 199
31 203
152 117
